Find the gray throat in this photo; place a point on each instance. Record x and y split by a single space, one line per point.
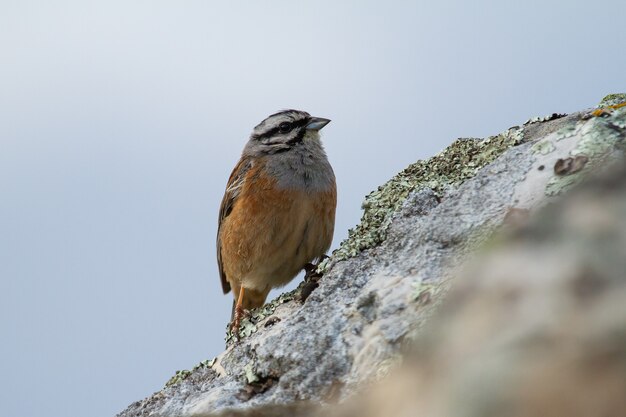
303 167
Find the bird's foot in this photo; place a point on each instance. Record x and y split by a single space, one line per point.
311 278
240 314
310 270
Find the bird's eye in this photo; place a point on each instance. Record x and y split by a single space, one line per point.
284 127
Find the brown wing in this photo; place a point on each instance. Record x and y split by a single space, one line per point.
233 188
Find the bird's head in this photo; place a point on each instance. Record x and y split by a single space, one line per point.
284 131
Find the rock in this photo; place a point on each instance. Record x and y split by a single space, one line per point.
534 326
383 284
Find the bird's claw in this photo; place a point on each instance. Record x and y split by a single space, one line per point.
240 313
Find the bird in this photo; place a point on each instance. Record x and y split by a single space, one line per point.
278 211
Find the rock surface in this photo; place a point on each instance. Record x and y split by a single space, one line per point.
386 280
535 324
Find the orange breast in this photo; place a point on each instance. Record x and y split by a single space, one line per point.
271 234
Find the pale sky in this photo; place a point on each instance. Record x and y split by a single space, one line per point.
120 122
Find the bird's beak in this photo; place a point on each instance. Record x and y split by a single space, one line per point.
317 123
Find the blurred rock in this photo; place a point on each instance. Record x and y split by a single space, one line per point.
535 326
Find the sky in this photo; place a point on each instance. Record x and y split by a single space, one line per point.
120 122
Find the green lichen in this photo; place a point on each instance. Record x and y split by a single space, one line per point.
543 147
600 137
178 377
251 376
457 163
424 291
612 100
567 131
181 375
323 266
619 118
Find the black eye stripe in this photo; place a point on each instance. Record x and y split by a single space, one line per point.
298 137
294 124
267 134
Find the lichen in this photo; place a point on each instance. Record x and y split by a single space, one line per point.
540 119
178 377
250 374
612 100
543 147
181 375
457 163
619 120
567 131
423 292
600 137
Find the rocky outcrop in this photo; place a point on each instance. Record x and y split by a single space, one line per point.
347 329
534 326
